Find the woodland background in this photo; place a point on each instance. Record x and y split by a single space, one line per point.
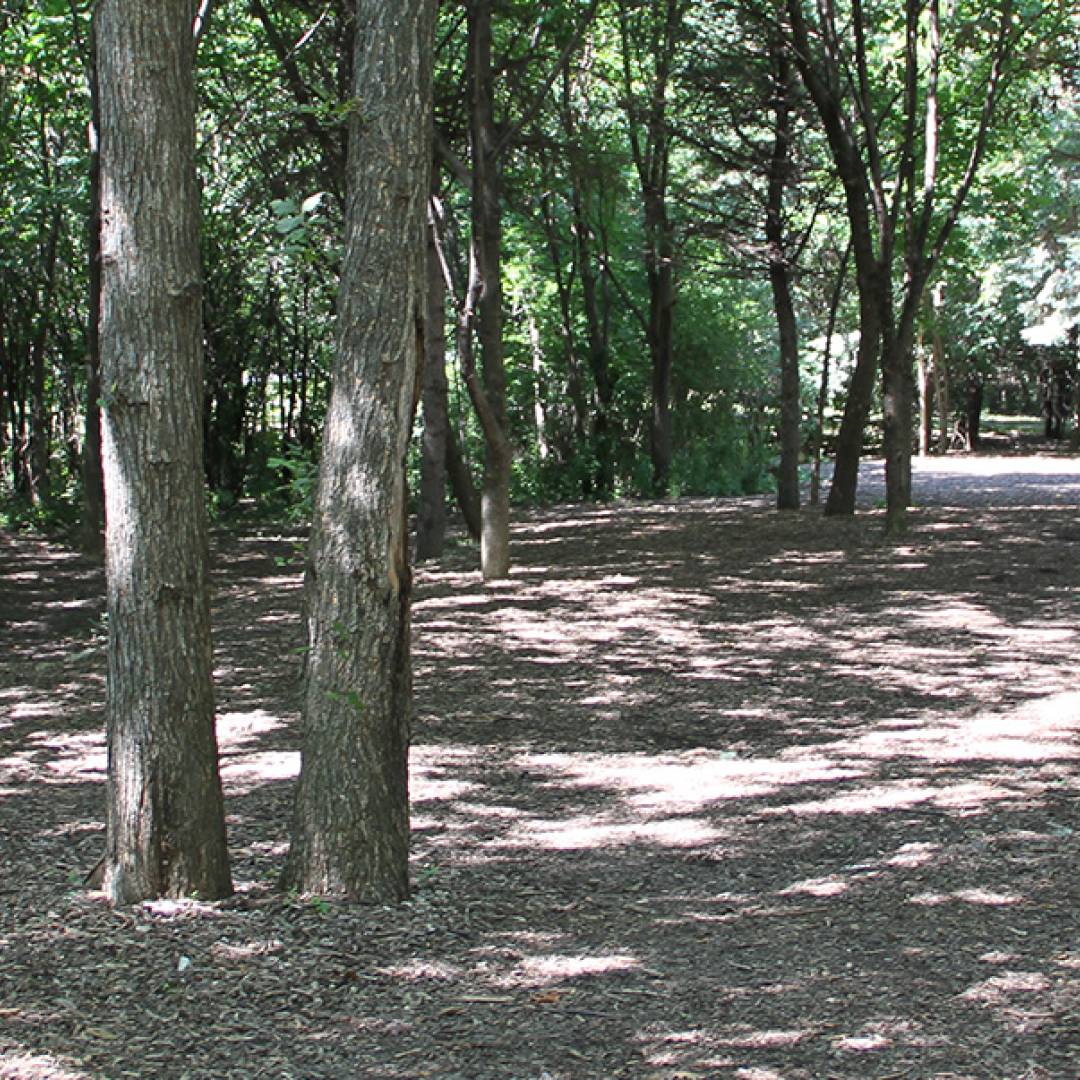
634 144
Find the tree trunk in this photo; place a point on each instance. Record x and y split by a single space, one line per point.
973 412
602 484
599 361
92 526
166 825
431 513
462 485
925 385
787 491
871 274
849 439
898 402
823 385
40 434
487 248
350 834
940 381
660 272
653 32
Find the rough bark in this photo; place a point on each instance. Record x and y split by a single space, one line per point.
350 834
165 826
973 405
898 399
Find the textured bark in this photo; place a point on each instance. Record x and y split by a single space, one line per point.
166 826
350 833
942 394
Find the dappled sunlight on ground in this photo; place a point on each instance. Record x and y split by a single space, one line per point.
701 791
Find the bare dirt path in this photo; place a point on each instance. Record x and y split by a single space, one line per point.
702 791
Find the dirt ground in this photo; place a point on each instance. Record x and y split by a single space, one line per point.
701 791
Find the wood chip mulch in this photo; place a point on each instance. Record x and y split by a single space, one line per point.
702 791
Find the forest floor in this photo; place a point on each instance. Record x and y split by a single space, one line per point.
702 790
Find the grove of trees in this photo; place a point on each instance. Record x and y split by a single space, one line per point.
346 260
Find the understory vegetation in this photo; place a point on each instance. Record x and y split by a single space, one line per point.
638 149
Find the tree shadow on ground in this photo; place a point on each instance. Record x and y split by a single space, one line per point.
701 791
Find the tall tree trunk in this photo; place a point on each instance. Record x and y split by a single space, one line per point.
603 434
431 512
350 834
166 825
787 492
602 484
40 433
659 259
487 253
92 526
652 36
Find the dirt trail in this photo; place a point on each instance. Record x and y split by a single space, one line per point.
701 791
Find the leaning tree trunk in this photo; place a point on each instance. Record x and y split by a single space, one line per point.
849 439
350 832
166 825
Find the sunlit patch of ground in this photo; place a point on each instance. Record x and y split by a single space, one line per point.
700 791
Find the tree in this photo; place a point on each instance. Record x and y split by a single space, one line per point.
885 139
166 825
780 278
484 296
650 36
350 831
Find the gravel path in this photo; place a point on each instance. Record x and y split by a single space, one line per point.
968 480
